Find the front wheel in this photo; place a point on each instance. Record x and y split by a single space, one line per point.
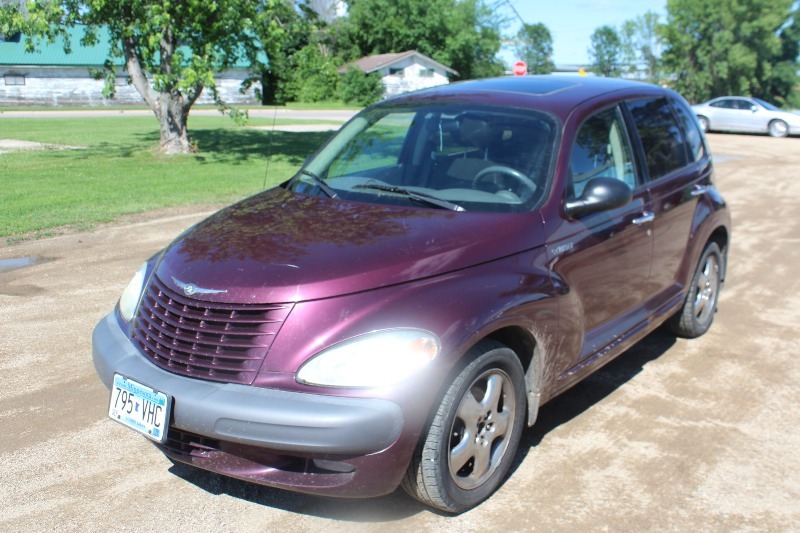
697 313
473 437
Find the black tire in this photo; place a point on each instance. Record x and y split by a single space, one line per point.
467 449
778 128
697 313
704 124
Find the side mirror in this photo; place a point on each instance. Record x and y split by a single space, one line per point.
754 108
600 194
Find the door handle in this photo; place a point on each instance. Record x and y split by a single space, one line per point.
645 218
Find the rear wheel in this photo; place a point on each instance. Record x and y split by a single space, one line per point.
471 441
703 123
778 128
697 313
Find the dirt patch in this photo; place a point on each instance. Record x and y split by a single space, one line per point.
675 435
13 145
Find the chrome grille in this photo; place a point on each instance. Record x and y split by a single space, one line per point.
213 341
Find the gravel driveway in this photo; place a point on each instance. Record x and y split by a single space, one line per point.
674 435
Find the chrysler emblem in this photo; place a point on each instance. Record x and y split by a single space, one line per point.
190 288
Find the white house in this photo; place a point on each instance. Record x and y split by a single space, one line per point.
405 71
49 77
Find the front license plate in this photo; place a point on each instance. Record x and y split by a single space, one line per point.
139 407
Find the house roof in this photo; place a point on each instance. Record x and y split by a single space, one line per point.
372 63
53 55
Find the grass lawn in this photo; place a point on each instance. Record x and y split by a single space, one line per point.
335 105
120 172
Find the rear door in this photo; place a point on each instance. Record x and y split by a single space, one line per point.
678 170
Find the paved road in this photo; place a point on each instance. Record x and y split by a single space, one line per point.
675 435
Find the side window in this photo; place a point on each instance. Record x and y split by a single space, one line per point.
662 139
694 139
601 149
725 104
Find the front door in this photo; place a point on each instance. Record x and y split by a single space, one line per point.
603 259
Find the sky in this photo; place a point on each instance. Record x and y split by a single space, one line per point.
572 22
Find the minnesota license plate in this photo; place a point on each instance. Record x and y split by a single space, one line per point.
139 407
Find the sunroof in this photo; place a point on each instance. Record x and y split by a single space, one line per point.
527 85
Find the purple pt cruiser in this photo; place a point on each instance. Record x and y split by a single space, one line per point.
397 312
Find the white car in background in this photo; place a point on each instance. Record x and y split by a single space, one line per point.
746 115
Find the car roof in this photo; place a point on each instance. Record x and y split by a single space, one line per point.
557 94
731 98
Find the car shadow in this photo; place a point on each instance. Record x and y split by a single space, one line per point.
238 145
597 386
392 507
398 505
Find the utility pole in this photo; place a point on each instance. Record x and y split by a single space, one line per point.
514 9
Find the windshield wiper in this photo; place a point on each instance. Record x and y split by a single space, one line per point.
319 182
418 196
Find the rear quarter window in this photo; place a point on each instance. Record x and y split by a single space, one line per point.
694 138
662 138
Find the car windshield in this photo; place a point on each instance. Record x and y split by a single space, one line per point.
766 105
458 157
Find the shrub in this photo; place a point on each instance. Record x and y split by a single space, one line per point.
356 87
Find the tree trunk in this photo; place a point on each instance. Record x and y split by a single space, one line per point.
170 106
173 115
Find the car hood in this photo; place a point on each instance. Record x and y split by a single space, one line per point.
280 246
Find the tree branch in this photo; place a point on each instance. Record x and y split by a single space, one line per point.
137 74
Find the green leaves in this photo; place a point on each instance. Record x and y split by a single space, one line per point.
722 47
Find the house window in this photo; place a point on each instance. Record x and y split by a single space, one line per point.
426 73
399 72
10 38
14 79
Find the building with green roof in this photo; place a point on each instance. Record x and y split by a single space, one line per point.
51 77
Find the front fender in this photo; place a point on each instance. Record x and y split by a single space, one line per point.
510 299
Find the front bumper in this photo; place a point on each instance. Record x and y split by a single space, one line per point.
277 421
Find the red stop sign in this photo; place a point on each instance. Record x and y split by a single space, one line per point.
520 68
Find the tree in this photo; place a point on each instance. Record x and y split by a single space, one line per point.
605 51
314 77
359 88
783 82
473 41
721 47
171 49
641 45
462 34
534 46
286 29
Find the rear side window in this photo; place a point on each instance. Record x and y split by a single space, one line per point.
725 104
662 138
694 139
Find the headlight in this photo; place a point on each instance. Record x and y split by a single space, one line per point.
376 359
130 296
